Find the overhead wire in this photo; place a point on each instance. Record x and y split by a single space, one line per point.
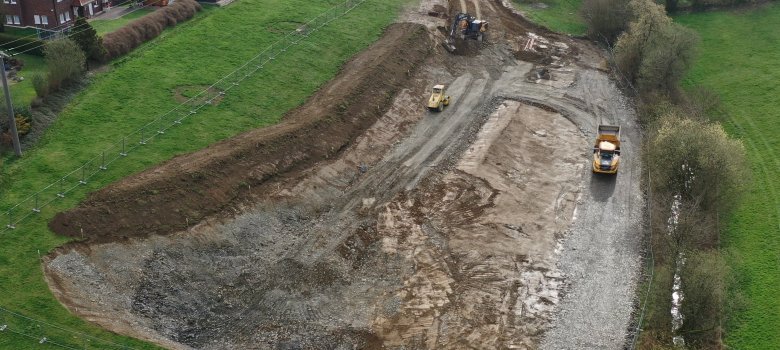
85 26
62 328
53 29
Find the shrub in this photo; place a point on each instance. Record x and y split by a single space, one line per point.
65 61
605 19
88 40
704 285
697 161
654 52
40 84
146 28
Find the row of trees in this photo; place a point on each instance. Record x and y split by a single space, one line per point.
696 171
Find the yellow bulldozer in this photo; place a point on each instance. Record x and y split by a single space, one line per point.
438 99
606 151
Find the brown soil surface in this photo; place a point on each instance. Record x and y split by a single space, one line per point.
192 187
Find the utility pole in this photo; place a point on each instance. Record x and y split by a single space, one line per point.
11 116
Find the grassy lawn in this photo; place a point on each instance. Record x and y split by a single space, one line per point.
103 26
20 31
22 92
738 60
140 88
557 15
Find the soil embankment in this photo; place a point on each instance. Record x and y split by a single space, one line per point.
189 188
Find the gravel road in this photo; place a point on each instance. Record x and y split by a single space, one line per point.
601 256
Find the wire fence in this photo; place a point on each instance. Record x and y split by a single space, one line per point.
53 335
48 334
72 181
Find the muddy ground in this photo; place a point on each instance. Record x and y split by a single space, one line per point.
384 225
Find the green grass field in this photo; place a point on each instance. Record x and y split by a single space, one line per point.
558 15
103 26
139 88
738 60
23 92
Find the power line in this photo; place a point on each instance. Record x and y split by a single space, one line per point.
61 328
69 34
65 25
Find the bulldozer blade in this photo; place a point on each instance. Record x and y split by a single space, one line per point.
448 46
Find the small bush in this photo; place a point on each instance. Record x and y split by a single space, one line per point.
127 38
65 61
704 284
40 84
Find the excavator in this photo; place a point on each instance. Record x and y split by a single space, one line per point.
438 99
465 26
468 27
606 151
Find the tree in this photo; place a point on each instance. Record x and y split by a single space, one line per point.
697 161
2 16
88 40
654 52
605 19
633 43
670 54
65 61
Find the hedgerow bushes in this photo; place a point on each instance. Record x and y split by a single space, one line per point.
146 28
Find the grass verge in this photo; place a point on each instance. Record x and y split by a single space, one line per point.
557 15
140 87
738 60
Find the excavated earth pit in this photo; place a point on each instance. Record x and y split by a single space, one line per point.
364 223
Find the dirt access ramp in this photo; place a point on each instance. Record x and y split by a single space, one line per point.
189 188
428 231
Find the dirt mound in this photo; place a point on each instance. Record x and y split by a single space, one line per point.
189 188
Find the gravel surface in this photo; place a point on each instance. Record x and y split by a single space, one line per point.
601 257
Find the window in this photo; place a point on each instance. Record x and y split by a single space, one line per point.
9 19
41 20
64 17
9 1
16 20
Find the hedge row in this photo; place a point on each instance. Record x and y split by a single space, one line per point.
127 38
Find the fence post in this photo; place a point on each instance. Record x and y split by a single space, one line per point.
103 161
83 180
36 207
124 152
61 194
10 220
143 142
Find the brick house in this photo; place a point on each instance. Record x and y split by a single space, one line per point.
49 14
